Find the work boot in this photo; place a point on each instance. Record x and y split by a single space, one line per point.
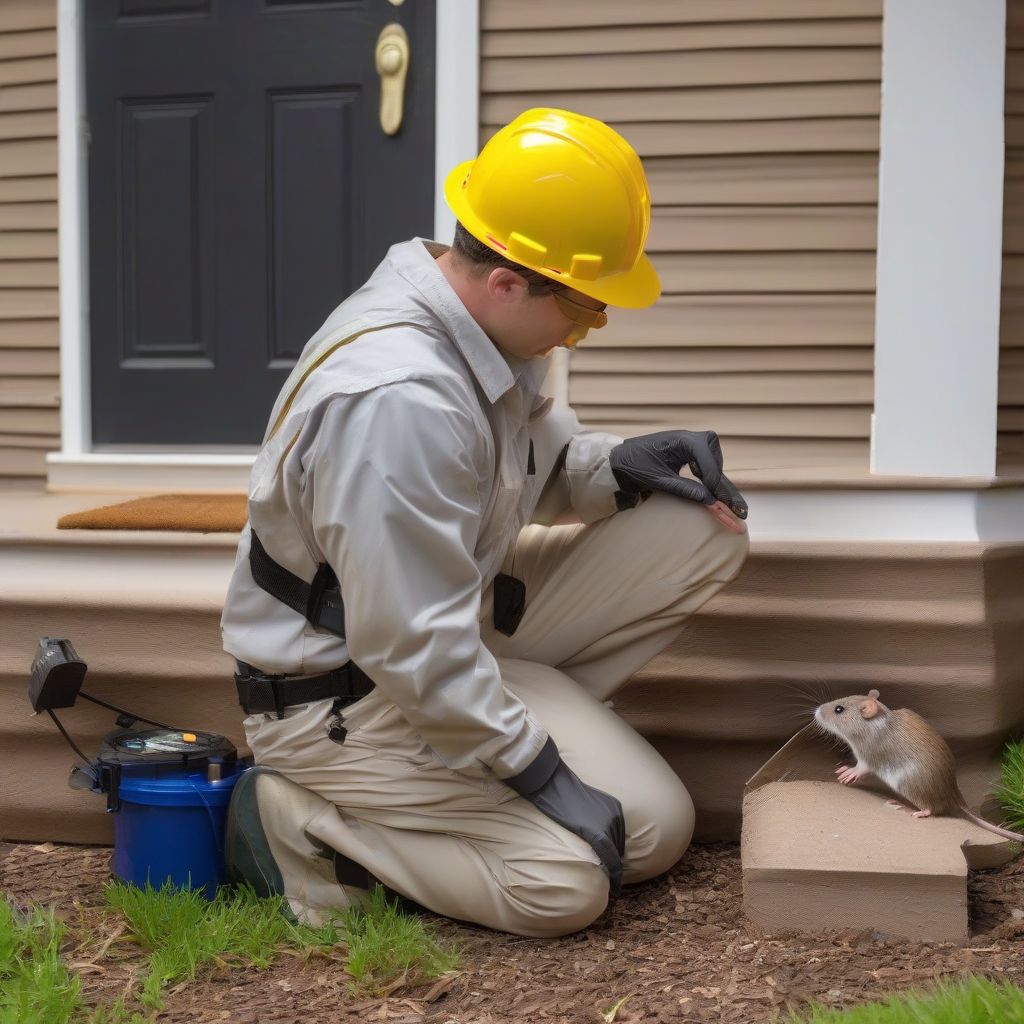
267 845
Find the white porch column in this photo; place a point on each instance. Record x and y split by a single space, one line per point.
457 100
939 238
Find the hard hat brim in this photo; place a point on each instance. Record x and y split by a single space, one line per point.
634 289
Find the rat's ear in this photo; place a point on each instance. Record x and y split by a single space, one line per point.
870 707
873 694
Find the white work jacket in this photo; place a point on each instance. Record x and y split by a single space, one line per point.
401 459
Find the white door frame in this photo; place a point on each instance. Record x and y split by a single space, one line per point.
77 466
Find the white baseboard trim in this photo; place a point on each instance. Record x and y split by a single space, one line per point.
148 473
849 514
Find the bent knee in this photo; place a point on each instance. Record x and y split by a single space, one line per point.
658 835
735 548
715 553
547 899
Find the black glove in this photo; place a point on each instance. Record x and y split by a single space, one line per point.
652 462
554 788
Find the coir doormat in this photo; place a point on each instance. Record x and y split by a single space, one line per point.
196 513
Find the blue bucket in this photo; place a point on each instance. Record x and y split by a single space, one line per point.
170 825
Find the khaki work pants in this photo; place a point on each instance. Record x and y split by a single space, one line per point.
602 600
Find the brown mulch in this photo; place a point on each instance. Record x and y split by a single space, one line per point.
678 947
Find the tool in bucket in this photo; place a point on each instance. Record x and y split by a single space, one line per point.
169 788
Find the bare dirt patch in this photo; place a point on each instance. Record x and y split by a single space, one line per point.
679 948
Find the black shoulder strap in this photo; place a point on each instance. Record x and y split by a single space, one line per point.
319 602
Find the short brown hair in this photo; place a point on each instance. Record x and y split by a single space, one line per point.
482 259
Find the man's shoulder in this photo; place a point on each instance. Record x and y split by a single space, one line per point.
407 358
404 400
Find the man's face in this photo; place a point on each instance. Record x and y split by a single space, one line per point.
534 325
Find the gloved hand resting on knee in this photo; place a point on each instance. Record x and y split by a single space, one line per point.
651 462
587 812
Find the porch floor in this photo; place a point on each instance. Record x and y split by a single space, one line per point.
30 514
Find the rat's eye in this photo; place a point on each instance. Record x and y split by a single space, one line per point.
839 709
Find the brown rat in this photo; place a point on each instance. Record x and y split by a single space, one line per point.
904 751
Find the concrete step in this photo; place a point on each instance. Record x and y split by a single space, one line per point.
937 627
745 673
143 610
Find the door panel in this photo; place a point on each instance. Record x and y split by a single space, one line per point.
240 186
166 243
311 146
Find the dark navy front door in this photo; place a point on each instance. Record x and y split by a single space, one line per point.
240 186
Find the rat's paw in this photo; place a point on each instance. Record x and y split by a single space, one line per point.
922 814
848 774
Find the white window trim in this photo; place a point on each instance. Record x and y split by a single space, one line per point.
77 466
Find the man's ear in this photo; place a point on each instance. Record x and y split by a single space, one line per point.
505 285
870 707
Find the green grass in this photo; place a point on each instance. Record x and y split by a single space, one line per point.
116 1013
1010 791
385 945
184 931
35 986
974 1001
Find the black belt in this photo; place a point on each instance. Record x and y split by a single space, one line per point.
259 692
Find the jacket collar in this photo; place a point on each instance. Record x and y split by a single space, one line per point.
496 372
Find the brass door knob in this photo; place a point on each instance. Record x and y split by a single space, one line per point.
392 59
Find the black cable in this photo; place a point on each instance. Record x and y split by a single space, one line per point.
121 711
64 733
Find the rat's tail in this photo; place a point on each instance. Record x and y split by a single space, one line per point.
1004 832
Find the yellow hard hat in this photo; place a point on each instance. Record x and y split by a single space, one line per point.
564 195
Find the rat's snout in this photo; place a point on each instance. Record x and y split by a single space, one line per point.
821 719
825 717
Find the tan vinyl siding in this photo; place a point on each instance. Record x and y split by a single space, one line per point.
757 121
1010 422
29 353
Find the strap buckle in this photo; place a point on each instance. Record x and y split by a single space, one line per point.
323 582
247 678
319 602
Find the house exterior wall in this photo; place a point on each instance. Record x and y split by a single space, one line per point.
1010 422
757 121
758 126
29 346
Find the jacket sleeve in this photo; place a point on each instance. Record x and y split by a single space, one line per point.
574 464
396 513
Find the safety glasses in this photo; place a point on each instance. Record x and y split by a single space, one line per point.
582 316
592 319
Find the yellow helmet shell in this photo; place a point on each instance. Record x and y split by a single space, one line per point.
564 195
